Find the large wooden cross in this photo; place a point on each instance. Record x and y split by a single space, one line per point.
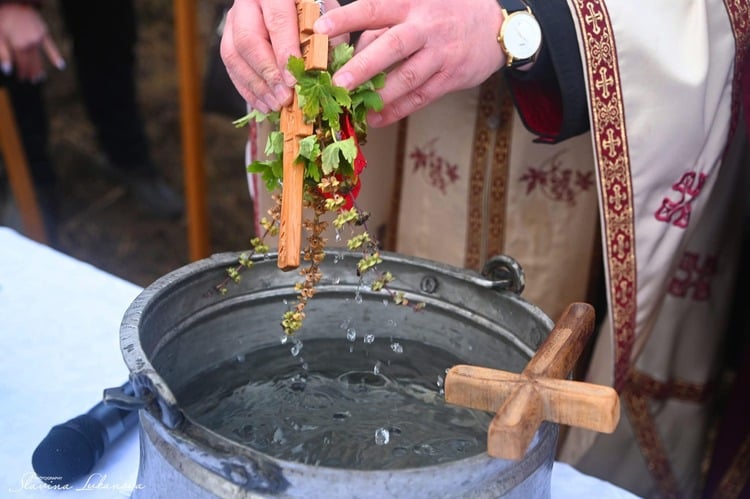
294 127
522 401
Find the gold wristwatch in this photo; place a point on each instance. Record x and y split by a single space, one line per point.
520 35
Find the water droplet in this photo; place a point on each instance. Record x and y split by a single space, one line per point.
382 436
278 436
385 302
338 235
351 334
345 324
396 347
369 338
241 358
376 368
391 323
337 280
296 348
440 381
358 298
286 302
284 339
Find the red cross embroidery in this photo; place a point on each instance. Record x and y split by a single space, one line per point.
678 212
691 274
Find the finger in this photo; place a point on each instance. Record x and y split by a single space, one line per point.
6 60
246 81
280 18
411 102
393 46
239 56
361 15
409 76
53 54
367 37
29 65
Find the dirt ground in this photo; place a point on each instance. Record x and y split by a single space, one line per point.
99 222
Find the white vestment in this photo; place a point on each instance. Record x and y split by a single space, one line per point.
653 191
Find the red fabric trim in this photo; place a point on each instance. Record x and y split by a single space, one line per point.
540 105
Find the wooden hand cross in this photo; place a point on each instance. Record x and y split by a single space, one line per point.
293 126
522 401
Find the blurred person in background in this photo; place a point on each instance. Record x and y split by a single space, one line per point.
104 60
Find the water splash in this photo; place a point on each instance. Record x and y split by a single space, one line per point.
382 436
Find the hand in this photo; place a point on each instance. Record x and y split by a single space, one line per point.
258 39
428 47
24 41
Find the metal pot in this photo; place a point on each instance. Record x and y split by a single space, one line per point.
179 327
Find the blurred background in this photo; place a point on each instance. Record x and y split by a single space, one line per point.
98 220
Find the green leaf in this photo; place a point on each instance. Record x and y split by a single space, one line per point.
378 81
269 171
372 101
296 66
257 116
309 148
275 143
341 55
313 172
332 154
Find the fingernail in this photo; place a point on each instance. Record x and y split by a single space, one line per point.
7 68
282 93
375 119
322 26
61 64
261 106
343 80
288 78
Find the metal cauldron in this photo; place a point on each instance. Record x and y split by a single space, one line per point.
178 327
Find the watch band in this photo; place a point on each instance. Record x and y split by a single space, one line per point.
513 5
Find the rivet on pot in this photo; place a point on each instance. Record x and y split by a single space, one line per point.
236 473
429 284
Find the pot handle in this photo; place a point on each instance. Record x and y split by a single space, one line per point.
522 401
149 391
504 274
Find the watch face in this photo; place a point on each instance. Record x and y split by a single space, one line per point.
521 35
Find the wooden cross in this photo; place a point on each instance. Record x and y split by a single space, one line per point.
522 401
293 126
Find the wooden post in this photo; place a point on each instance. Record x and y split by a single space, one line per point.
191 121
293 126
17 169
522 401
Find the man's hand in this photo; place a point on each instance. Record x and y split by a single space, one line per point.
259 37
24 42
429 48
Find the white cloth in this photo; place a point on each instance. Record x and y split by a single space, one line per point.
59 334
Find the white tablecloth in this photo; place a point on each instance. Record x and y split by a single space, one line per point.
59 339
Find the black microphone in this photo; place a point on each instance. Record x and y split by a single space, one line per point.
71 449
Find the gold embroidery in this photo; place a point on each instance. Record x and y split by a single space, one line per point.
613 162
487 108
500 170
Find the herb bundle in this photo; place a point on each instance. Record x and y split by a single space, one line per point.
333 162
